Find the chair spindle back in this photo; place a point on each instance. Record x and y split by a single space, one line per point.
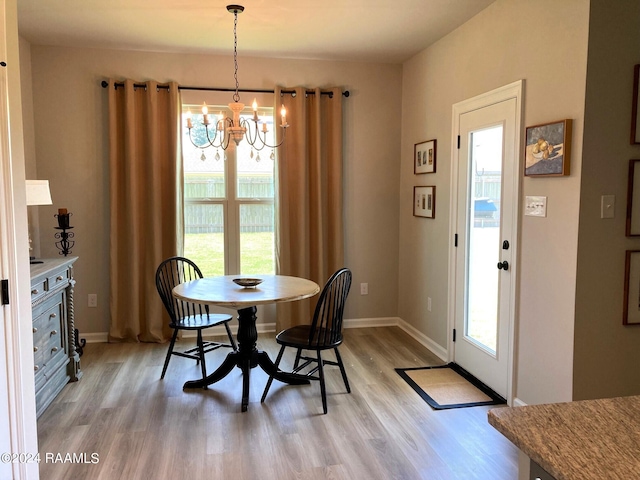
171 272
326 327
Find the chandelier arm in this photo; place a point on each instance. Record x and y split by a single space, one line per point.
201 147
250 136
209 143
264 140
209 139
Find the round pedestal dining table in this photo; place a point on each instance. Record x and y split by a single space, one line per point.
223 291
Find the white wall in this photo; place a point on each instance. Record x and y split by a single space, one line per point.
506 42
71 148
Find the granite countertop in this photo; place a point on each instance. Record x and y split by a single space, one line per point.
588 439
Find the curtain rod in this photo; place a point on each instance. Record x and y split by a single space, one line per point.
105 84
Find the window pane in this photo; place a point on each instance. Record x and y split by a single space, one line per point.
255 167
204 237
256 239
203 168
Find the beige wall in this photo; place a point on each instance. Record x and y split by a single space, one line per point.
607 353
508 41
71 148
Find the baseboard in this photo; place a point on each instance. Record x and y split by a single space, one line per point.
518 403
371 322
100 337
432 346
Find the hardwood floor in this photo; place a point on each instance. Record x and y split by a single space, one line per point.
142 427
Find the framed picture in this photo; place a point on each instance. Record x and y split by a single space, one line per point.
424 157
424 202
631 307
635 111
548 149
633 200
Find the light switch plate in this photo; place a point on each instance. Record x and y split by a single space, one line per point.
607 206
535 206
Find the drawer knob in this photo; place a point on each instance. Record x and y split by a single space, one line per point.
53 315
35 291
35 329
58 278
55 349
35 349
36 368
54 332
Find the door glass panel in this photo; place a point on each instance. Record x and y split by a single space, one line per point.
204 237
256 239
484 244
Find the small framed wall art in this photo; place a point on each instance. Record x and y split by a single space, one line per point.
548 149
635 111
424 202
633 200
631 307
424 157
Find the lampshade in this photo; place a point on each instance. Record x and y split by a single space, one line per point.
38 192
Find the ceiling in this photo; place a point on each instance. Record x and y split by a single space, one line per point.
385 31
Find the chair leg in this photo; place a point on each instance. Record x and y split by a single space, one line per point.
270 381
233 342
203 364
323 389
169 352
342 370
297 361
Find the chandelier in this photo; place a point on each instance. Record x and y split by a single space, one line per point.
223 129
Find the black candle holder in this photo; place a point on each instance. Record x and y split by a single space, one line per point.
64 244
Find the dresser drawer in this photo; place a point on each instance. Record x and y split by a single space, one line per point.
61 277
48 347
48 321
38 290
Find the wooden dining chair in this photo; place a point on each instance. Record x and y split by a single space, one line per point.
324 333
185 315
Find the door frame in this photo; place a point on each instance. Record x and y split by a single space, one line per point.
18 335
512 90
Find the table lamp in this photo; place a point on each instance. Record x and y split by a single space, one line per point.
37 194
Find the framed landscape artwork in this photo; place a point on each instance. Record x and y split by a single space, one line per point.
635 111
424 202
633 200
548 149
424 157
631 307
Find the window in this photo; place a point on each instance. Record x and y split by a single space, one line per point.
228 195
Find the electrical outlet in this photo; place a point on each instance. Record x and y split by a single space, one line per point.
364 289
93 300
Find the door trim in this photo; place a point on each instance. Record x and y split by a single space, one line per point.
512 90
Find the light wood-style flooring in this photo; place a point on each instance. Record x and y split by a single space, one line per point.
142 427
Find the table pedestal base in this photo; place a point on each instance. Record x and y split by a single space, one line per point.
246 358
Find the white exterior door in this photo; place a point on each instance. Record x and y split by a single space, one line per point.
486 224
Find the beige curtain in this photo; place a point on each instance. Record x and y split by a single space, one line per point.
309 237
145 172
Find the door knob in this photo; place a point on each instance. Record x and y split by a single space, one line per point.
503 265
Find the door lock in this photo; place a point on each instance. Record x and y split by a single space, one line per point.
505 245
503 265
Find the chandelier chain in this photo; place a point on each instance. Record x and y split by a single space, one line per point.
236 95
